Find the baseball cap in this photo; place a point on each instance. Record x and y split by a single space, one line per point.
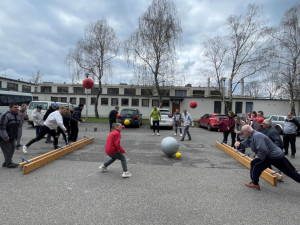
53 104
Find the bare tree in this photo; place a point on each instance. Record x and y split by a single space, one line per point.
151 49
37 77
271 82
215 51
253 88
288 53
94 53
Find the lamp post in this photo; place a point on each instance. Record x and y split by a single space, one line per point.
223 79
86 102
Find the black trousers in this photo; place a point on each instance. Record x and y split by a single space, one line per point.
60 131
283 164
225 137
155 126
8 149
43 131
114 157
289 139
73 132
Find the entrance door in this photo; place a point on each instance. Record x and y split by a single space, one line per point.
175 105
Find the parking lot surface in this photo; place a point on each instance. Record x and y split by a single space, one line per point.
205 186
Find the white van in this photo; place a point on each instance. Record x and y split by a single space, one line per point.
7 97
45 106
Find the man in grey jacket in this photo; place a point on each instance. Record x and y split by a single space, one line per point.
187 122
266 154
291 125
9 124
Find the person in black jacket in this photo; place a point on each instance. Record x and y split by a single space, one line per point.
51 109
74 123
113 117
9 124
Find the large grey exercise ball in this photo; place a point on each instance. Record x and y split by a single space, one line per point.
169 146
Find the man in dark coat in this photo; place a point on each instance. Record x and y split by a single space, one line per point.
74 123
52 108
9 124
113 116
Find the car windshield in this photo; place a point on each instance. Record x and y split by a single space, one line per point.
221 116
128 112
165 112
33 105
297 118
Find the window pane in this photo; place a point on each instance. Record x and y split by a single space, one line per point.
112 91
73 101
78 90
166 103
155 102
26 88
82 101
54 99
135 102
46 89
63 99
146 92
114 101
62 90
129 91
104 101
93 100
180 93
145 102
124 102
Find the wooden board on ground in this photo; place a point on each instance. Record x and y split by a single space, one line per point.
46 158
246 161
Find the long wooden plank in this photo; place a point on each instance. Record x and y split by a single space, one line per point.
47 153
55 155
236 155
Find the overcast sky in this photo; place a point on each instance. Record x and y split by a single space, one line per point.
36 35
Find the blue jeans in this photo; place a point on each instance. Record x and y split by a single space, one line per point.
186 131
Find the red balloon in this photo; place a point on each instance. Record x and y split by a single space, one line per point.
123 127
88 83
118 115
193 104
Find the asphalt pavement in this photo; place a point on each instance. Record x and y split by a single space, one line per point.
205 186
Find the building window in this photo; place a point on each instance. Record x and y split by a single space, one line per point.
180 93
12 87
198 93
93 100
164 92
124 102
238 107
94 91
64 99
155 102
62 90
46 89
0 84
215 93
114 101
146 92
73 101
104 101
54 99
165 103
82 101
113 91
35 89
78 90
217 106
26 88
249 107
145 102
130 91
135 102
35 98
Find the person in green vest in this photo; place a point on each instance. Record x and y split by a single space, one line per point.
156 117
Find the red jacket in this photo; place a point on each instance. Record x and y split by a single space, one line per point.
113 143
222 125
231 124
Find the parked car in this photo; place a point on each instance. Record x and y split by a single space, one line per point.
278 122
244 117
166 119
133 115
209 120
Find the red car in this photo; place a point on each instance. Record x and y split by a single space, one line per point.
209 120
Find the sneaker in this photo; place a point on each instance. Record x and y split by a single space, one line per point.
4 164
157 134
175 134
153 134
24 149
189 139
102 168
293 155
251 185
180 135
57 147
126 174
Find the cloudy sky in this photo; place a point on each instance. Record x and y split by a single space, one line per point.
37 35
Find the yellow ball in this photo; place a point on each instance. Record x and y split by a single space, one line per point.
126 122
178 155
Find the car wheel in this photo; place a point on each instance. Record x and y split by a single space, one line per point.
279 130
209 127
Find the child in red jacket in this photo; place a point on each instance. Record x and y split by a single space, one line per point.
114 150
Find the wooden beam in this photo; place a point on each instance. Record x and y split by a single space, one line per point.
246 161
48 153
44 159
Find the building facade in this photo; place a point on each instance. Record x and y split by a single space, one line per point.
133 96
